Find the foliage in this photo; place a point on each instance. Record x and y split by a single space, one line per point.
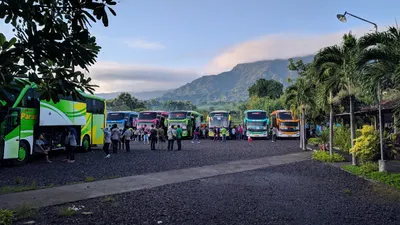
313 141
342 138
66 212
324 156
178 105
392 144
51 38
266 88
370 171
124 102
6 217
324 137
366 146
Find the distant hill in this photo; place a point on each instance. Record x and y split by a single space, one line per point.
233 85
145 95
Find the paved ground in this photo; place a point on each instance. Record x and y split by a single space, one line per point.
306 192
140 161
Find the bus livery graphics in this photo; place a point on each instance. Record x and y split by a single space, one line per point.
122 119
218 119
286 124
256 123
24 117
188 121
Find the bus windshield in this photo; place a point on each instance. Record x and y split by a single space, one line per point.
285 115
116 116
147 115
219 120
256 115
290 124
177 115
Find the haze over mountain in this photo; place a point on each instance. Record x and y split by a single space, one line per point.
233 85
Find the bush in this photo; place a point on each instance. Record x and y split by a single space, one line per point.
324 156
342 138
313 141
366 147
6 217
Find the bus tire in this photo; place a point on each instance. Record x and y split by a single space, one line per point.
86 143
23 154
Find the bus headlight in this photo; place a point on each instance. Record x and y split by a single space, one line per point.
184 127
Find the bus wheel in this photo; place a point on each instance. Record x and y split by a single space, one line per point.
86 143
23 155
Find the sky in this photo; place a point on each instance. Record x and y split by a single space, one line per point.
163 44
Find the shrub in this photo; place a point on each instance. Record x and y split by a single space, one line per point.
313 141
342 138
324 156
6 217
366 147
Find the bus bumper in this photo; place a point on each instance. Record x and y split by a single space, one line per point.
257 134
289 135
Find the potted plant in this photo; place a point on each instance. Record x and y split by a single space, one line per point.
323 140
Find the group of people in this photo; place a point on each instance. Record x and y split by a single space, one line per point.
118 139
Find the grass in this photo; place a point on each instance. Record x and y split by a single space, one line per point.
89 179
24 211
11 189
370 171
347 191
6 217
66 212
324 156
108 199
18 180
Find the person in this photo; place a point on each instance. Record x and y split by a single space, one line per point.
141 133
70 142
153 137
146 135
40 147
115 134
196 135
161 138
241 132
223 132
179 137
218 133
171 138
244 133
135 134
234 133
274 133
121 139
107 142
203 130
215 133
126 136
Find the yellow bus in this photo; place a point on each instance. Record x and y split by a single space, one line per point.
219 119
288 126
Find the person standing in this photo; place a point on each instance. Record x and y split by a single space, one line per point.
179 137
274 133
234 133
240 132
215 133
218 134
70 142
171 137
153 138
223 132
196 135
126 136
115 135
161 138
146 135
107 142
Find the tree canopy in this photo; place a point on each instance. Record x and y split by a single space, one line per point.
51 38
125 102
266 88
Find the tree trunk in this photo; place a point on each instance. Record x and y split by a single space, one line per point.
330 125
301 130
352 129
303 119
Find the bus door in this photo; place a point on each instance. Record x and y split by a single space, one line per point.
12 134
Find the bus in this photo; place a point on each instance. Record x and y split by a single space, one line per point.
23 116
122 119
219 119
151 118
188 121
288 126
256 123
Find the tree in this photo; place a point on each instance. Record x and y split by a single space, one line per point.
266 88
125 102
178 105
51 38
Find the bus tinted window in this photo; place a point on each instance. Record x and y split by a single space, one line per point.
177 115
285 116
290 124
147 115
115 116
256 115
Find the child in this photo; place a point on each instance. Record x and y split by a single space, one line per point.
274 133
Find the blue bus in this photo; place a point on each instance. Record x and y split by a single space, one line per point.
256 123
122 119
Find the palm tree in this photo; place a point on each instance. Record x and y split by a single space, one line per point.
340 62
300 96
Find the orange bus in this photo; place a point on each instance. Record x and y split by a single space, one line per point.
288 126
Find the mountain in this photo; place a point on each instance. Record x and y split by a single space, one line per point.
145 95
233 85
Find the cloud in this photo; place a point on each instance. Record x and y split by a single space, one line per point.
277 46
113 76
143 44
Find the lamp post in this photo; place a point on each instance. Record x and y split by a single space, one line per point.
382 166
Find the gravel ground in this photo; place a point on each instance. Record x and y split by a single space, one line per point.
307 192
140 160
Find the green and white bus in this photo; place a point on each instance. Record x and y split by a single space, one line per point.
187 120
23 117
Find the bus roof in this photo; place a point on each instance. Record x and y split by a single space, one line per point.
254 110
131 112
220 111
281 110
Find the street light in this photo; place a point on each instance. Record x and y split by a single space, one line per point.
382 166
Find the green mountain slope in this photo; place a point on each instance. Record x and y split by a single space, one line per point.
233 85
